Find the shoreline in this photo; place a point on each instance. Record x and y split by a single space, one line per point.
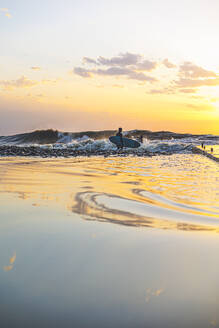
37 151
33 151
197 150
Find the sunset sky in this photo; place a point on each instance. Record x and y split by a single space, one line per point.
97 64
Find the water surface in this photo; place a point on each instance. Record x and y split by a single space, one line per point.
109 242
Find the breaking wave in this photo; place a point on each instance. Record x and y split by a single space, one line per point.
162 142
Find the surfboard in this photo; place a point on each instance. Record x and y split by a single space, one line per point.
129 143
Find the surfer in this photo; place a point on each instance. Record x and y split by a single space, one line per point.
119 134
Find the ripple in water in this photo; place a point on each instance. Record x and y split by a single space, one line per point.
179 193
169 192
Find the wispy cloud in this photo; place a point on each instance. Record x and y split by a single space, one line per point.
87 60
192 83
192 76
168 64
166 90
6 12
188 90
189 77
190 70
22 82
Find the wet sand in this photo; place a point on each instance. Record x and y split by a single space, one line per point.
109 242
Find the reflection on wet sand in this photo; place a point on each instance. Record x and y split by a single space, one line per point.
72 264
153 293
213 323
11 263
177 192
90 208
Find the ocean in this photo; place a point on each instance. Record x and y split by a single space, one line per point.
93 237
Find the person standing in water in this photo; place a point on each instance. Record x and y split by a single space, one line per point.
119 134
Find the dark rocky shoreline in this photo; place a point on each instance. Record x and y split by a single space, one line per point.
33 151
37 151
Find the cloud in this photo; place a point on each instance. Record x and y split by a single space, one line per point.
190 70
191 83
134 61
167 91
128 65
36 68
87 60
133 66
82 72
168 64
141 77
188 90
6 12
114 71
146 65
125 59
191 76
22 82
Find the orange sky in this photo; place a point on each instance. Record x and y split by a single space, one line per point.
68 73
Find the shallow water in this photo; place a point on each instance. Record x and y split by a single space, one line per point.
215 148
109 242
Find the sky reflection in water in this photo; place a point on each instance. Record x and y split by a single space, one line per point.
61 265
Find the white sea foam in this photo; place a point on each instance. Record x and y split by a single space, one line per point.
89 145
83 142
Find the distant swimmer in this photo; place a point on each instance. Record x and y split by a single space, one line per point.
119 134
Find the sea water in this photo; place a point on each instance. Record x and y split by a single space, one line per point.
109 242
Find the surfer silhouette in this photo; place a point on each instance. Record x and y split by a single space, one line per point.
119 134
